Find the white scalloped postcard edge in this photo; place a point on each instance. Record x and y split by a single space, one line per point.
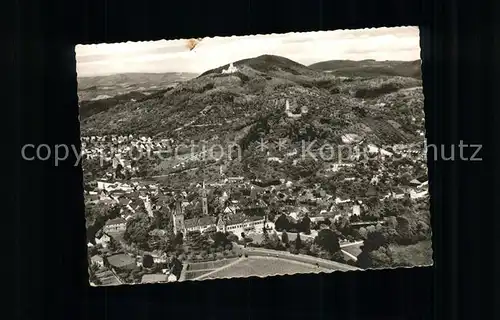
254 156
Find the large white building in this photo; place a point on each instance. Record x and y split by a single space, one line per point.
200 224
238 224
228 221
115 225
233 223
230 69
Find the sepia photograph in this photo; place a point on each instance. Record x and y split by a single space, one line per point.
259 155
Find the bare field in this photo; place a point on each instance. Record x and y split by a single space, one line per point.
209 265
194 274
263 267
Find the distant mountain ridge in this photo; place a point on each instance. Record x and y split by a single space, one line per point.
110 86
86 82
267 63
250 103
370 68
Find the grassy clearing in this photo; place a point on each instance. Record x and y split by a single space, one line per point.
195 274
417 254
262 267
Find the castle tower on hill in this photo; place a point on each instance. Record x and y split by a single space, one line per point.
204 201
230 69
178 218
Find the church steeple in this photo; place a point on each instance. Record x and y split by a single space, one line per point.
204 201
178 218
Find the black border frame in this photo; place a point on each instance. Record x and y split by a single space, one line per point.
49 237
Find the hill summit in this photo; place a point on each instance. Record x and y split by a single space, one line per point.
267 64
370 68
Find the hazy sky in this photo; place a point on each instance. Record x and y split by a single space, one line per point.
306 48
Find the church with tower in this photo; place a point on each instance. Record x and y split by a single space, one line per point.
234 223
178 218
185 225
204 201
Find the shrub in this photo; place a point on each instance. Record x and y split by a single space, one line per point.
373 92
351 263
334 90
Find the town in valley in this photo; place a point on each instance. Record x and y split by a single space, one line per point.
258 167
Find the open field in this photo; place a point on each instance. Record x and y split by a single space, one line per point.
293 236
198 269
121 261
420 254
107 278
195 274
110 281
265 266
209 265
300 258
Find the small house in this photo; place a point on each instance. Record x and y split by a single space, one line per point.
97 260
415 183
104 240
171 278
356 210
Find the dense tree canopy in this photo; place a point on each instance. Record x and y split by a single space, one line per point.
271 241
161 240
196 241
374 241
147 261
96 216
305 225
137 231
298 242
220 239
328 241
282 223
284 238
